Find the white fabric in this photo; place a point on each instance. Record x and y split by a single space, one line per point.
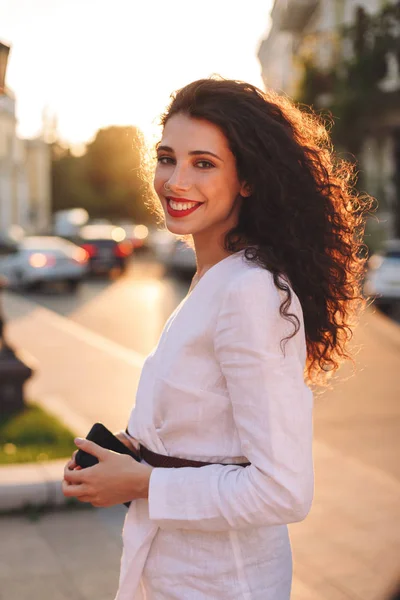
219 388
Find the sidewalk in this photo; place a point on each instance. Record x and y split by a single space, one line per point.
71 555
348 547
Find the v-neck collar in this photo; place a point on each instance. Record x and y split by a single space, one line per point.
212 269
189 296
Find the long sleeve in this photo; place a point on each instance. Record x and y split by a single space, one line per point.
272 410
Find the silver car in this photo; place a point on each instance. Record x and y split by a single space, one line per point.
383 277
176 256
44 259
181 259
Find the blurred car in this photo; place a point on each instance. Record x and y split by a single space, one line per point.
66 223
383 277
7 246
161 242
181 259
176 256
107 247
36 260
138 235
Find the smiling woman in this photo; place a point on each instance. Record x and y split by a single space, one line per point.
223 412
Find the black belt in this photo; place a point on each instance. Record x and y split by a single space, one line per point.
172 462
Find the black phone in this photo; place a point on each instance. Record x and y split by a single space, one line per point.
99 434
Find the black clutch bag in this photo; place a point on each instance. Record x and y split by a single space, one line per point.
99 434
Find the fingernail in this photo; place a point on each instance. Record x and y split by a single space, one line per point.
78 440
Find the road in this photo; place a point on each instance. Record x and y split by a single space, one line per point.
88 349
130 310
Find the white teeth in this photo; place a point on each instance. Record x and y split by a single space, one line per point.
182 205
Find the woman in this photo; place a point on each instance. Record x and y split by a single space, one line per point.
276 226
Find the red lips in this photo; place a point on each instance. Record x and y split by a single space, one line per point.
181 213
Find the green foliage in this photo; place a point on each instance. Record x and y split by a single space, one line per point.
105 180
352 84
33 435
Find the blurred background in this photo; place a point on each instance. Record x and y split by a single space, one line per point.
89 279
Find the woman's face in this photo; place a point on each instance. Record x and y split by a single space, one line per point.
195 163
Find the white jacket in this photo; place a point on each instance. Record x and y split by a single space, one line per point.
219 388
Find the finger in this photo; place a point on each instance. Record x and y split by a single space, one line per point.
77 491
128 441
92 448
71 464
85 499
74 476
123 438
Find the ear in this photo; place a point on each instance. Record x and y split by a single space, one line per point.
246 190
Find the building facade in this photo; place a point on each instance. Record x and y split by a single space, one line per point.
312 28
25 171
302 27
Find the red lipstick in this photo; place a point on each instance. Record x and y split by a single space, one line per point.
181 213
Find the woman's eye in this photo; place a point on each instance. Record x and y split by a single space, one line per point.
204 164
164 160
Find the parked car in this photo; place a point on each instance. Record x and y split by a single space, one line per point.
176 256
161 242
107 247
37 260
137 234
66 223
181 259
383 277
7 246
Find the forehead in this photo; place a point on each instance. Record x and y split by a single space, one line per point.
184 133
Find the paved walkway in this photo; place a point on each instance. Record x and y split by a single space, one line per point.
67 555
347 549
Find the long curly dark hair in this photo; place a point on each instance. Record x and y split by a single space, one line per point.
304 219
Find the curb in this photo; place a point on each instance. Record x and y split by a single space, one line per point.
33 484
39 484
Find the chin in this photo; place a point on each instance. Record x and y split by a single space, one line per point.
178 228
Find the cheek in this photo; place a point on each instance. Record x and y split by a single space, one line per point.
158 181
222 191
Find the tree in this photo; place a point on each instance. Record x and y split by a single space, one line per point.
112 165
106 179
353 90
70 188
352 85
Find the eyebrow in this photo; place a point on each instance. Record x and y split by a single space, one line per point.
192 153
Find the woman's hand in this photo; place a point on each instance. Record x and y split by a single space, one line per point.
71 464
128 441
117 478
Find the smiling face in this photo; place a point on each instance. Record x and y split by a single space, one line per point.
195 164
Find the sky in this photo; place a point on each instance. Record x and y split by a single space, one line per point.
95 63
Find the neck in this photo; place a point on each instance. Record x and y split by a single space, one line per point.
208 251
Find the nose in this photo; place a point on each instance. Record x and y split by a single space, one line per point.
179 180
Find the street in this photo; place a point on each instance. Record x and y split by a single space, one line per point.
130 310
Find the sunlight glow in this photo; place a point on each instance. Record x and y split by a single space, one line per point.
94 63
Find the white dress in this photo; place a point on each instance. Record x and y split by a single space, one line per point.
218 388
